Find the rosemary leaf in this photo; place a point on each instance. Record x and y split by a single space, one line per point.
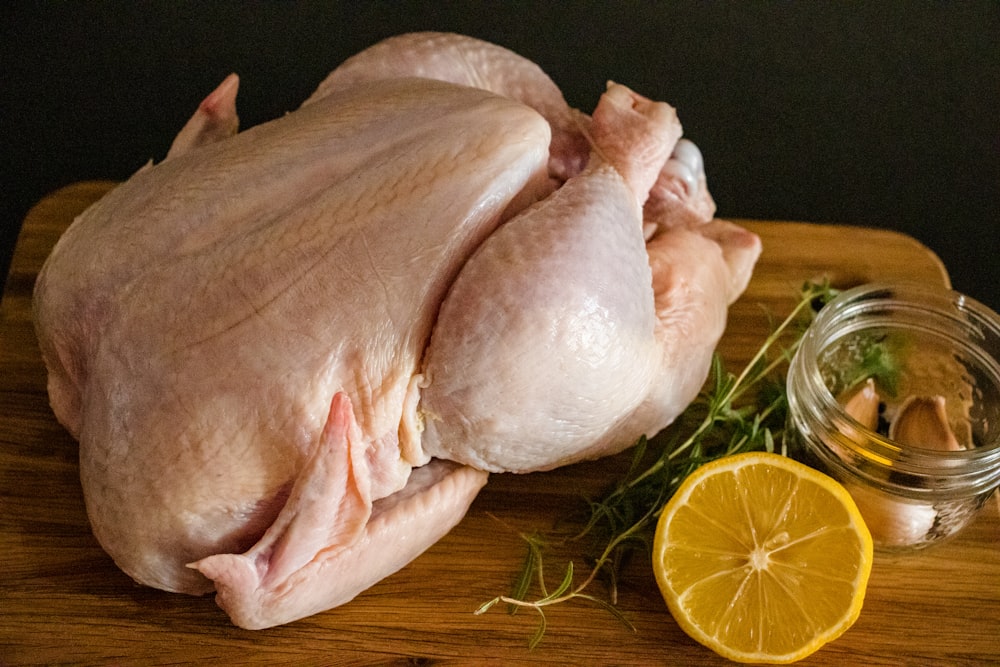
532 563
539 633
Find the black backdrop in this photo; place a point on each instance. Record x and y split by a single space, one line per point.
883 114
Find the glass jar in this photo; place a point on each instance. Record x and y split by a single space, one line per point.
911 341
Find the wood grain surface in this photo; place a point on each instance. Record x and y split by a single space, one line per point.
62 600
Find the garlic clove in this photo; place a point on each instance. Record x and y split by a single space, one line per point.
862 404
922 421
894 522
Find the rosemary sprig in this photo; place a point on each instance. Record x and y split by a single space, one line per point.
731 414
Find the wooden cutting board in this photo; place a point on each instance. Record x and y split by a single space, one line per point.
63 600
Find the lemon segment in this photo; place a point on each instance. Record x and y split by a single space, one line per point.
761 558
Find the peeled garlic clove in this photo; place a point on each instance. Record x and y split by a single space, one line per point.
687 153
894 522
922 421
862 404
682 173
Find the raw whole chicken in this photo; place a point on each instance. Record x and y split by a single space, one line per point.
292 355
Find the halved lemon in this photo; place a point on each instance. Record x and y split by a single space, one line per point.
761 558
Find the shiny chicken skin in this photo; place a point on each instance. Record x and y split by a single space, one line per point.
293 354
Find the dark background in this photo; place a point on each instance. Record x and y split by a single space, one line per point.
883 114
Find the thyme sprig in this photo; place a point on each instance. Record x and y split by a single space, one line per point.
731 414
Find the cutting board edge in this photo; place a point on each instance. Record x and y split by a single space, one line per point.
831 229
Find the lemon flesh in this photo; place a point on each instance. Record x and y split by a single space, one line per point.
761 558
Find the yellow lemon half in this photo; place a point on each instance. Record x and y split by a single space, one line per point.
761 558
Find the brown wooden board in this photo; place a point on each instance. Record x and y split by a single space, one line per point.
62 600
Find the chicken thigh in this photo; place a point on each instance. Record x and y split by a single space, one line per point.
292 354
